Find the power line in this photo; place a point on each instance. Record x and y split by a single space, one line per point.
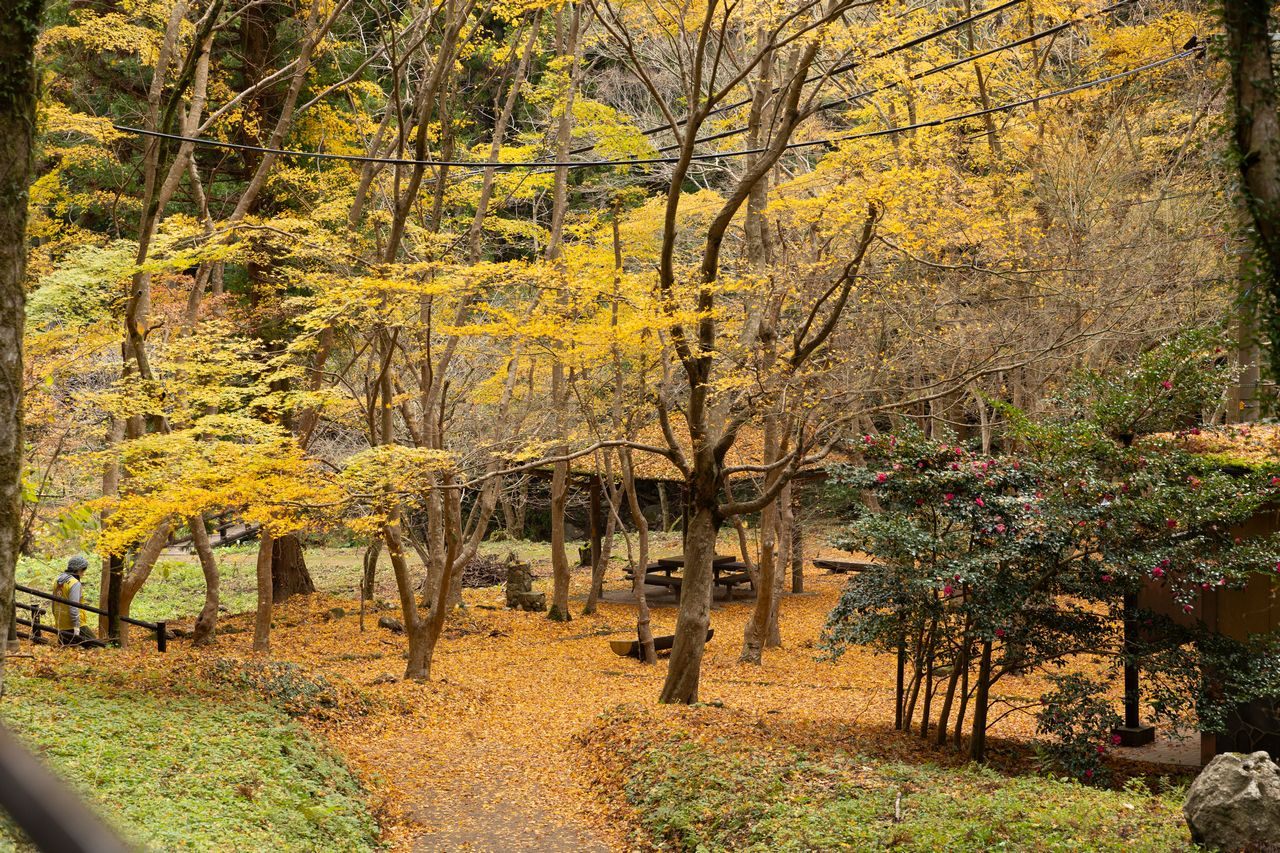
649 161
840 69
920 75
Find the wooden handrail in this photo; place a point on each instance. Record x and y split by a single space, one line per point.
158 627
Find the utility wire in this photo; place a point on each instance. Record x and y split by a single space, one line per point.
648 161
920 75
840 69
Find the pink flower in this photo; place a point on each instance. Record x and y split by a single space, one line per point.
1000 528
1115 740
1206 586
919 501
1026 507
1195 430
1101 748
1157 572
1000 632
1088 774
1187 608
1107 578
947 590
948 497
1167 385
1170 523
866 439
979 501
881 477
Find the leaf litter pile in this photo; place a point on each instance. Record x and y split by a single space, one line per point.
516 743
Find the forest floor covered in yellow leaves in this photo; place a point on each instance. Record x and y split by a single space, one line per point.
517 742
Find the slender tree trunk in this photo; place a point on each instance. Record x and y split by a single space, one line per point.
601 564
797 553
143 562
262 619
644 630
559 610
19 28
369 577
207 622
978 741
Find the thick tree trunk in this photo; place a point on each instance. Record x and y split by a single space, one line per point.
1257 137
289 575
19 27
207 622
262 620
683 674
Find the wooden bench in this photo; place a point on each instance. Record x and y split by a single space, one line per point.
631 648
844 567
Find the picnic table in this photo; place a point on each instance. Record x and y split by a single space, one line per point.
726 571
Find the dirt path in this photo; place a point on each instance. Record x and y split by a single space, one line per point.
492 810
488 755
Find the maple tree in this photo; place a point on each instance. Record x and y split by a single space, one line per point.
511 237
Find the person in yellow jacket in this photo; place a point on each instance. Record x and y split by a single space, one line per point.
69 618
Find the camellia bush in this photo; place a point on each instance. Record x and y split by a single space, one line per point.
1018 564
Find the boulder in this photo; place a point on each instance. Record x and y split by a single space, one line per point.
395 626
1234 804
534 602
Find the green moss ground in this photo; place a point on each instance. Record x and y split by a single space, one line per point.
199 773
692 797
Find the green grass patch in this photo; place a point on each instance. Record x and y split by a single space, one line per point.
692 797
175 773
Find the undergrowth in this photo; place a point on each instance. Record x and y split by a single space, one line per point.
178 773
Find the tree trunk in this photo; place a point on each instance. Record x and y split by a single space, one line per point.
143 562
289 575
367 580
978 742
262 620
559 610
19 27
1257 138
644 630
207 622
601 562
683 673
797 553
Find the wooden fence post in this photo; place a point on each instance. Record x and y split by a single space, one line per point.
115 575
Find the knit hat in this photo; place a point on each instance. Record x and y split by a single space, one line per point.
77 564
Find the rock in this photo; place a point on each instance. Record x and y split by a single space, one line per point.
1234 804
653 514
395 626
334 613
384 679
519 580
534 602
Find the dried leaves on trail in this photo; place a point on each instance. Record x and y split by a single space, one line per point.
497 750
